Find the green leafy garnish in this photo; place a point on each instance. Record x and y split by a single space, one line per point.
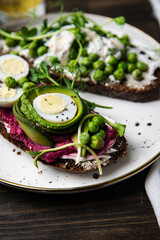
68 83
36 75
25 32
79 19
32 14
93 105
120 20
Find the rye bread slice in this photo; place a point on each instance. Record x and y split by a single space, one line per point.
119 89
68 164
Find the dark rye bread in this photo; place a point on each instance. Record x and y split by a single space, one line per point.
120 90
69 164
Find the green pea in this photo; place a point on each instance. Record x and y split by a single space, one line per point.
14 52
99 120
142 66
123 65
98 75
125 39
101 133
132 57
28 85
99 65
96 142
108 70
72 53
131 67
54 60
10 42
119 74
84 52
84 138
42 50
22 80
113 61
93 127
93 56
137 75
10 82
86 62
83 71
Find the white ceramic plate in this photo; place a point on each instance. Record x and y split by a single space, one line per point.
142 133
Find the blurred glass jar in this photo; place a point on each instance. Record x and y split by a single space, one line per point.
14 9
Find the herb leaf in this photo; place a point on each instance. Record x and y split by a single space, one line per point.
35 75
43 68
120 20
68 83
32 153
25 32
93 105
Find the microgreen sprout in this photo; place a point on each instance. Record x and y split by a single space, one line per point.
42 73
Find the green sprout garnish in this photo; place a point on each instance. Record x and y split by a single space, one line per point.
41 74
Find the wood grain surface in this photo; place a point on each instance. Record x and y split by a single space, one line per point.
119 212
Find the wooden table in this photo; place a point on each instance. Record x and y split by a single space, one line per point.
121 211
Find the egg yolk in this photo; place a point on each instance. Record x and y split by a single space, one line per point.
51 104
6 92
12 66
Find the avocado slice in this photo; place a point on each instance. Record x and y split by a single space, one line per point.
36 136
24 111
33 133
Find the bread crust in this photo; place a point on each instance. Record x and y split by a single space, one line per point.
119 90
69 164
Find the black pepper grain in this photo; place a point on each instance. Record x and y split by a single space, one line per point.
95 176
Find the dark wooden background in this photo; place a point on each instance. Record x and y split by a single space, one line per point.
119 212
